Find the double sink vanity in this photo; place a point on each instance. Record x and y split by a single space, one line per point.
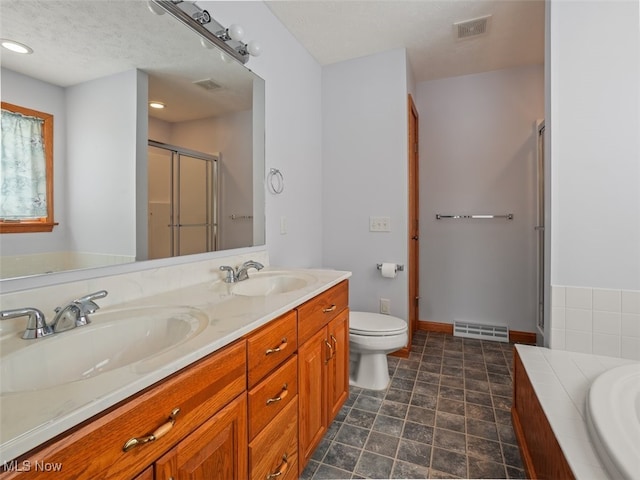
214 380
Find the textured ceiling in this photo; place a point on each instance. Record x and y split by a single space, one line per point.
333 31
77 41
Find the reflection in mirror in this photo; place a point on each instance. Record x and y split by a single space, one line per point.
119 198
26 171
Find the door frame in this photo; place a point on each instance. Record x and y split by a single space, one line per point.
413 216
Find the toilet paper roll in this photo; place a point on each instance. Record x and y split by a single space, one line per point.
388 270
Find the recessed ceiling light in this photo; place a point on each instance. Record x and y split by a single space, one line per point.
158 105
16 47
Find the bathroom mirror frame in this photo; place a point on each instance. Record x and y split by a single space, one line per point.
33 281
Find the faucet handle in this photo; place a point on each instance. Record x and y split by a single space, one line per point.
231 273
36 325
87 304
92 296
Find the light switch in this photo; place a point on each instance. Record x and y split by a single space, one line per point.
379 224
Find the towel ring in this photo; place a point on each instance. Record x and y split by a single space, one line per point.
275 181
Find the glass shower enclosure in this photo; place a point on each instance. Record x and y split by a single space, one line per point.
183 201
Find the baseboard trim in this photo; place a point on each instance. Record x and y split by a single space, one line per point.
402 353
528 338
515 336
428 326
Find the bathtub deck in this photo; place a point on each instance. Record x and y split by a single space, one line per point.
561 382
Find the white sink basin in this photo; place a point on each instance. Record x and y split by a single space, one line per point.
271 283
113 340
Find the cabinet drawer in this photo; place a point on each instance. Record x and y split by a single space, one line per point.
276 447
271 346
319 311
263 398
95 449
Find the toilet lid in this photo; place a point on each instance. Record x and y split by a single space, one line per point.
373 324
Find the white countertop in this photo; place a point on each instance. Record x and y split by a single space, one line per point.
561 380
27 419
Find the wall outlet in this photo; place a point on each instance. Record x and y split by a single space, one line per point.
379 224
283 225
385 306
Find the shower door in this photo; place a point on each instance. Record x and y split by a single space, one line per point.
183 191
540 296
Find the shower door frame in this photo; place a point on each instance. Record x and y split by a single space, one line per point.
212 195
540 230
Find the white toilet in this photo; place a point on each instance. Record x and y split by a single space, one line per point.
371 337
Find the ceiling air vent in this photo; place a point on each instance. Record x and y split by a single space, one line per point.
472 28
207 84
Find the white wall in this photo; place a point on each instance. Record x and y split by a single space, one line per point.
595 154
364 142
593 84
293 131
31 93
102 114
478 156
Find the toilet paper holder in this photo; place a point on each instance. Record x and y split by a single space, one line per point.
399 268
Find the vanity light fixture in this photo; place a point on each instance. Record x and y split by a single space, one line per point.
234 32
158 105
16 47
252 48
228 40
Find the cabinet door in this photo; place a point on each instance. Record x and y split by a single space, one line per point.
338 366
312 413
146 475
217 450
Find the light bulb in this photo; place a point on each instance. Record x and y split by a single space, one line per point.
235 32
225 58
254 48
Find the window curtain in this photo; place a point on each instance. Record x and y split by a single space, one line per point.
23 174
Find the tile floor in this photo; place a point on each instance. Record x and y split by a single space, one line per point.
445 414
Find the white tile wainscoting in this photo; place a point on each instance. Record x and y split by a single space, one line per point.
595 320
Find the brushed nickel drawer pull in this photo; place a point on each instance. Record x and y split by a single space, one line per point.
335 345
279 348
330 352
283 394
282 469
158 433
329 309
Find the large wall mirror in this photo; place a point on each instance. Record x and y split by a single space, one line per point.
134 183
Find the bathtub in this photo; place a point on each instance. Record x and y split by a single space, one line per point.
613 420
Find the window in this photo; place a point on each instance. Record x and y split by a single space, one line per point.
26 170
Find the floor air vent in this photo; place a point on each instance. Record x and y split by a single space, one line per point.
483 332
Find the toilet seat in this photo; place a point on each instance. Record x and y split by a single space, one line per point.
375 324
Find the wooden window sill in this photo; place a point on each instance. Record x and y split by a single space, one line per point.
26 227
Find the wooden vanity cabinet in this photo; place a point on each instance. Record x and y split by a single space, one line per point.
146 475
217 450
255 409
273 400
323 366
94 450
338 366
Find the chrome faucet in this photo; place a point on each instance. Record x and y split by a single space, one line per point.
238 274
36 325
75 313
241 273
